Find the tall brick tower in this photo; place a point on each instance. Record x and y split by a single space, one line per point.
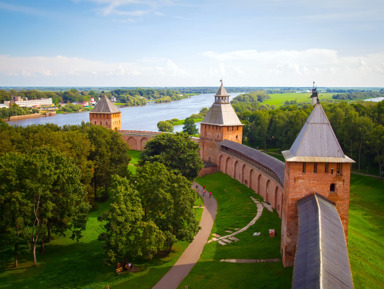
220 123
106 114
314 164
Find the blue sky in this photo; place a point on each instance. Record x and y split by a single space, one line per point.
191 43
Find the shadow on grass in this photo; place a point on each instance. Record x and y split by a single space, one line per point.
80 265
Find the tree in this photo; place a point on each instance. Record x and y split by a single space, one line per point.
127 236
176 152
165 126
167 199
190 126
49 184
378 146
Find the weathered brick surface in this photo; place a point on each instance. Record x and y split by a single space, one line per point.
298 185
108 120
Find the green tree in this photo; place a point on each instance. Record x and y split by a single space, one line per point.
167 199
176 152
165 126
49 182
190 127
127 236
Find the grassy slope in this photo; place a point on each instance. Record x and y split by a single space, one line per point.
279 99
235 210
366 227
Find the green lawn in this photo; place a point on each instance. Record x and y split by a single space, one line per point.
235 210
279 99
135 157
366 227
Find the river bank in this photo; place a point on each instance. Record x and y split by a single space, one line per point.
29 116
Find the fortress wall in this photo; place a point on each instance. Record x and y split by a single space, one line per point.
265 186
137 139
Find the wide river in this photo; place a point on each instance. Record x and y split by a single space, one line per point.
137 117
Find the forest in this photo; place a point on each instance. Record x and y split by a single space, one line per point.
359 127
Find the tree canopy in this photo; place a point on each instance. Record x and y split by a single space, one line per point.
176 152
190 126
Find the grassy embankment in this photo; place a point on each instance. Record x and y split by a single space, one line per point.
68 264
235 210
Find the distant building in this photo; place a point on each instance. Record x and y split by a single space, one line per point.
106 114
29 103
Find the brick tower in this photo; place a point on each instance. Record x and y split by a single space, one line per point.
314 164
106 114
220 123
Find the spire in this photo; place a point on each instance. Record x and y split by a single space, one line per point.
222 95
314 96
316 141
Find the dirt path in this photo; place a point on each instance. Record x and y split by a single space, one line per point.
192 254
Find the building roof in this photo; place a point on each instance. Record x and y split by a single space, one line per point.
105 106
316 141
270 165
321 256
221 112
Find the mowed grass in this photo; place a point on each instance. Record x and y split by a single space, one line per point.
135 158
366 232
279 99
236 210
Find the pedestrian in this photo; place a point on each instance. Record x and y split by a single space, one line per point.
204 192
210 194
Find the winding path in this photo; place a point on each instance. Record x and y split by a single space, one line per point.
192 254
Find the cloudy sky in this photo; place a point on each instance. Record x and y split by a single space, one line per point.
191 43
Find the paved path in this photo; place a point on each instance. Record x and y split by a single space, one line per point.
192 254
251 260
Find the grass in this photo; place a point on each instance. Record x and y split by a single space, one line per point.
366 227
279 99
235 210
68 264
135 158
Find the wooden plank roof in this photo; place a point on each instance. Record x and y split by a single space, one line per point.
321 259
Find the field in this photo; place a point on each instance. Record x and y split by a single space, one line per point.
366 227
278 99
235 210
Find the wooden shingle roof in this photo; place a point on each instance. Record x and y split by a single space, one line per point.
321 259
105 106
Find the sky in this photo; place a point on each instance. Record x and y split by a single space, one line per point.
129 43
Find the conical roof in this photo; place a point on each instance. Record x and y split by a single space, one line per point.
316 141
221 112
222 91
105 106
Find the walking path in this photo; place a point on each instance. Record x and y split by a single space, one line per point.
251 260
192 254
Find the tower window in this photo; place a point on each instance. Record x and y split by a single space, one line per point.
339 167
315 168
332 188
304 167
326 170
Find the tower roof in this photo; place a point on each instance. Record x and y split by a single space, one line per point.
105 106
221 112
316 141
222 91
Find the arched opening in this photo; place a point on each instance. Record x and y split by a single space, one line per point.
251 178
275 205
227 165
220 163
235 170
332 188
267 191
243 179
258 184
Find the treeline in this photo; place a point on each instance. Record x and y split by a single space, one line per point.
358 95
254 96
50 177
158 95
5 113
359 127
71 95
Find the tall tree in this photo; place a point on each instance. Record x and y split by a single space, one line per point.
176 152
190 126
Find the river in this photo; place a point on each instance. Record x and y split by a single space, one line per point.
137 117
